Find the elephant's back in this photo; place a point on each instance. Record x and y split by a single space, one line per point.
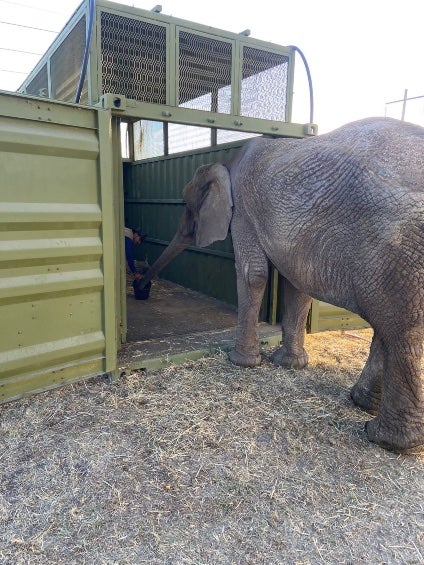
363 171
384 147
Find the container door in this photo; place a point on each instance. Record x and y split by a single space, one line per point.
57 245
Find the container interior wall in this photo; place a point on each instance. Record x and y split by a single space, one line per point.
327 317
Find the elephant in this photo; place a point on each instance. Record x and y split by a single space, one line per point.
341 217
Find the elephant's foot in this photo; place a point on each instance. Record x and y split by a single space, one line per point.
288 360
243 359
400 440
365 399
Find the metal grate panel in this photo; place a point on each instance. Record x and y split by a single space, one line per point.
133 57
39 86
264 84
204 73
66 63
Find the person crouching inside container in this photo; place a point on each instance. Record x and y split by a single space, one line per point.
132 237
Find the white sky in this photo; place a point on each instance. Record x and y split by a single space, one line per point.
361 53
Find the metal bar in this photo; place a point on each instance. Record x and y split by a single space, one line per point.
129 108
312 325
273 339
403 99
290 86
273 296
120 274
178 201
107 166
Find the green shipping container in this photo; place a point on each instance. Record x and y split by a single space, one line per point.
74 175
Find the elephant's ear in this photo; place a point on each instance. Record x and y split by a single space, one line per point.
214 204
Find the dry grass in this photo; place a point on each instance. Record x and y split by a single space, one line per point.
206 464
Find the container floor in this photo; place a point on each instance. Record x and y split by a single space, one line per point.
175 320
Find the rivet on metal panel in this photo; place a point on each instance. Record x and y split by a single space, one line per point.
166 114
238 123
275 128
211 120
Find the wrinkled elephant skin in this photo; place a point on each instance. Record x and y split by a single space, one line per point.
341 216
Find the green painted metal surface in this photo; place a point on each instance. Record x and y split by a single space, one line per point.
57 252
326 317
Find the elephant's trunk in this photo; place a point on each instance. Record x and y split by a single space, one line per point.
180 241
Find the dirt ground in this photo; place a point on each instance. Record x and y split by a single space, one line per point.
208 463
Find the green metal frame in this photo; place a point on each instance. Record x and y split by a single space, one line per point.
133 110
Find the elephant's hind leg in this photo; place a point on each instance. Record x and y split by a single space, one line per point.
296 306
366 393
399 425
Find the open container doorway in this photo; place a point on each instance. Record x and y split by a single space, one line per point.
192 306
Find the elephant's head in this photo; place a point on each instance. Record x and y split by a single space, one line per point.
206 217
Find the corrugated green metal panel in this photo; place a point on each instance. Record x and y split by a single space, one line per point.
153 190
52 303
326 317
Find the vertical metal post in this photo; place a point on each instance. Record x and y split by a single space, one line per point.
130 133
273 296
118 195
109 218
290 87
405 98
312 325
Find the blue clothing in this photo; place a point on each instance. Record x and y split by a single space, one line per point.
129 254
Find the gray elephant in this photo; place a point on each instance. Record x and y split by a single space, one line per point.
341 216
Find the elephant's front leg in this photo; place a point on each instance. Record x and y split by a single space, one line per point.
296 306
252 276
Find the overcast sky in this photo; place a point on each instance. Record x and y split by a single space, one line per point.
361 53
